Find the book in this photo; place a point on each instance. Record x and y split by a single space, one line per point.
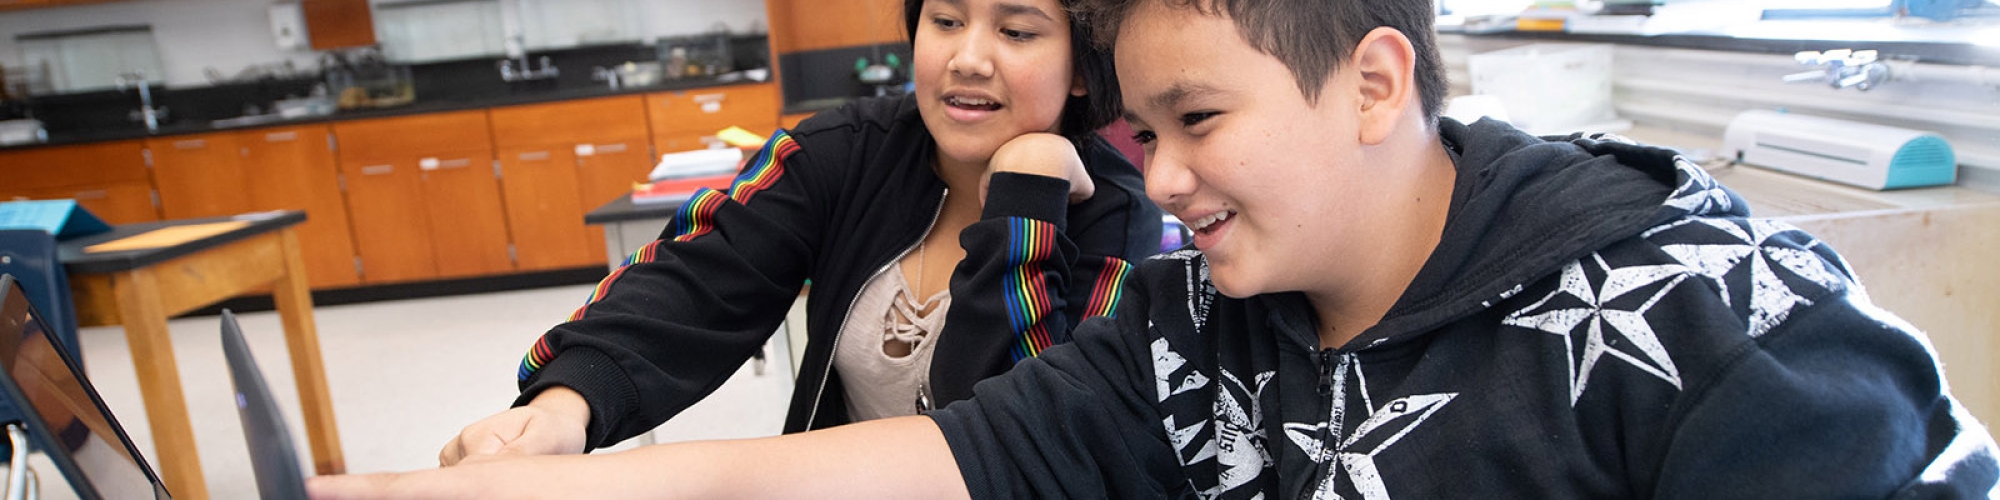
667 190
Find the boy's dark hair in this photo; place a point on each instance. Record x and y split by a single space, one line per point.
1311 37
1081 116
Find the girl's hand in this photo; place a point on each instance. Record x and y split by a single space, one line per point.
1043 154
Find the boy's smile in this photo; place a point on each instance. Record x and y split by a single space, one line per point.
1340 196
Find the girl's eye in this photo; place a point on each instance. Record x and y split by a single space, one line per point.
1190 119
1144 137
945 23
1018 35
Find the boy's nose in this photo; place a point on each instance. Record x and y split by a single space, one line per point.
1168 181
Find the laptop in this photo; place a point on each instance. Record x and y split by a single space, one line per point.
63 415
273 457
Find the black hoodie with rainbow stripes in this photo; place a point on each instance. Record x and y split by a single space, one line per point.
833 201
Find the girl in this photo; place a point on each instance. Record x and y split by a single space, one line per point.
948 233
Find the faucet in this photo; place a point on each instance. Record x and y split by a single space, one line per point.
1844 68
146 112
510 73
606 75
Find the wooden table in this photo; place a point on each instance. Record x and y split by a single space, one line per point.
140 289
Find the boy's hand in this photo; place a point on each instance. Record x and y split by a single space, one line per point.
510 478
553 424
1043 154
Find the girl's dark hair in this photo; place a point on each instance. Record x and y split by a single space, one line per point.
1081 116
1311 37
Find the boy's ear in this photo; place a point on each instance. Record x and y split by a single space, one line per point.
1385 63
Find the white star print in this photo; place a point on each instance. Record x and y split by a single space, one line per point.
1239 432
1771 300
1651 357
1698 193
1398 418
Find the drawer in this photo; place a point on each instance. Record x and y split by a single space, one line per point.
86 164
704 111
572 122
413 136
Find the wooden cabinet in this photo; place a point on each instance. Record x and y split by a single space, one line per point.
333 24
422 197
292 168
109 179
801 25
199 175
560 160
687 120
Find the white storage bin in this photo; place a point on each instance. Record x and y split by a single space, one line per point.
1550 88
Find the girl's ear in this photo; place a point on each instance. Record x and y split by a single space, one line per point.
1076 87
1385 63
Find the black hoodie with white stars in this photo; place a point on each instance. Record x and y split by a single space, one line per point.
1600 320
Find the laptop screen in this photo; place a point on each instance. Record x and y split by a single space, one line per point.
74 418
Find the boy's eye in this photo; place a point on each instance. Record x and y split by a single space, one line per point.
1018 35
1144 137
1190 119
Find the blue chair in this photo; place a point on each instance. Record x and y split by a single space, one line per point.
30 256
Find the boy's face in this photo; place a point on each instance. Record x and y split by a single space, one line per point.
1272 185
987 71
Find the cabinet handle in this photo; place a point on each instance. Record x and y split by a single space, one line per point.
281 136
94 194
611 148
455 163
427 164
710 103
191 144
534 156
378 169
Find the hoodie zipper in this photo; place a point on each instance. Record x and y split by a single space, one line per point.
820 393
1330 381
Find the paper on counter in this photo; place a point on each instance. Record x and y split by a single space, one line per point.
166 236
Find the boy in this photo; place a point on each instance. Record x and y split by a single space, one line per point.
1389 305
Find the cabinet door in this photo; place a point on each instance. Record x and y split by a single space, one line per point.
468 222
334 24
607 174
199 175
544 212
292 168
385 204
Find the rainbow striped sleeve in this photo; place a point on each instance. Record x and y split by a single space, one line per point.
763 169
1109 288
1029 243
695 218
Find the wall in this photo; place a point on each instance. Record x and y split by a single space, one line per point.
229 35
1699 91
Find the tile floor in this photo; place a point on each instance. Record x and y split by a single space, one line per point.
405 376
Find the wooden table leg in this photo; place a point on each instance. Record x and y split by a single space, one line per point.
145 320
294 302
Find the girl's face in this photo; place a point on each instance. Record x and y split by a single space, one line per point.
987 71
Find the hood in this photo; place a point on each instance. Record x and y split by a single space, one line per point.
1523 206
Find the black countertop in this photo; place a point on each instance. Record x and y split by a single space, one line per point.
77 261
623 209
421 106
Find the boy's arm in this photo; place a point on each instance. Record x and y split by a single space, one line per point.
1841 400
892 458
1079 421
